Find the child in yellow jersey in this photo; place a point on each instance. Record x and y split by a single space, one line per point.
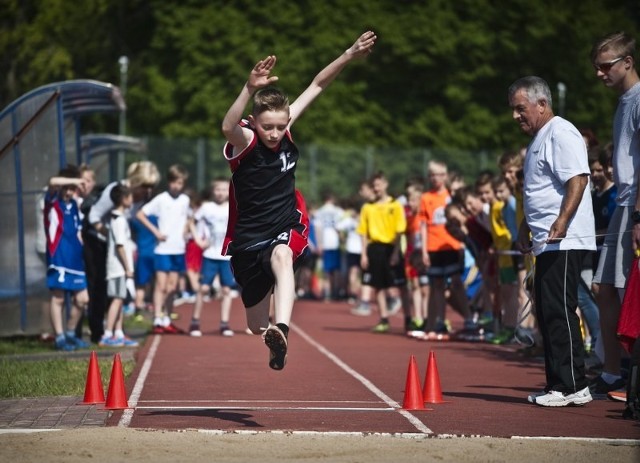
382 224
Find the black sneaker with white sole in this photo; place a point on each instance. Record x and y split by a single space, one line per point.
276 341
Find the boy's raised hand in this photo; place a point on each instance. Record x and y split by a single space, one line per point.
260 74
363 46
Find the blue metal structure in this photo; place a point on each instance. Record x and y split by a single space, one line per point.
39 133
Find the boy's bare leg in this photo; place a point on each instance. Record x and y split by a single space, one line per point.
284 289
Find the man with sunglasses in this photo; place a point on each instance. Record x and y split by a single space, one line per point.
614 62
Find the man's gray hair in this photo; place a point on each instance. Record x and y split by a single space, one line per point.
535 87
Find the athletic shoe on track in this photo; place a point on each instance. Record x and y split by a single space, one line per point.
618 396
157 329
226 332
111 342
276 341
172 329
599 388
532 397
361 310
558 399
381 327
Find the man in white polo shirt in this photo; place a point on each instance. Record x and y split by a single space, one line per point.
558 230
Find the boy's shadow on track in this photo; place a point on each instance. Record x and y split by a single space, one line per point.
223 415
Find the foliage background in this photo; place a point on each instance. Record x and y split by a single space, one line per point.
436 80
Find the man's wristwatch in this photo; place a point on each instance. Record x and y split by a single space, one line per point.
635 217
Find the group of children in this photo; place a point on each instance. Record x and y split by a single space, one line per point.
150 242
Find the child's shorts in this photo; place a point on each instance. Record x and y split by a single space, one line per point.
330 260
117 287
213 267
508 275
193 256
252 269
169 263
145 269
445 264
67 281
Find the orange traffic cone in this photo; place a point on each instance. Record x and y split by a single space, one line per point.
412 394
116 396
93 392
432 392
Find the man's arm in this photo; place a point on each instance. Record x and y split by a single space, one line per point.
574 187
635 230
361 47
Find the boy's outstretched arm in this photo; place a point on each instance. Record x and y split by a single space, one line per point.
258 78
361 47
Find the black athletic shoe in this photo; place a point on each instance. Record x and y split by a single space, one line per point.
276 341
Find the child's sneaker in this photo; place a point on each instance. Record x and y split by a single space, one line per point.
62 344
110 341
362 310
126 341
172 329
382 327
276 341
226 331
77 342
157 329
194 329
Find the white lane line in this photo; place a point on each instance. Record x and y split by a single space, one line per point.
127 415
419 425
213 407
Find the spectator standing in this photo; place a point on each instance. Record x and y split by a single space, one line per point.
382 224
326 220
140 176
558 210
172 209
613 58
213 217
120 268
65 264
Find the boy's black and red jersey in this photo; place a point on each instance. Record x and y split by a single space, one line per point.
263 201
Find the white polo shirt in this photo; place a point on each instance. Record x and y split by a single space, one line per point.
172 216
556 154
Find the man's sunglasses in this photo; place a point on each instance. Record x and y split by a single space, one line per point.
606 67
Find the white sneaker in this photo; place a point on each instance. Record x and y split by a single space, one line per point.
558 399
532 397
227 332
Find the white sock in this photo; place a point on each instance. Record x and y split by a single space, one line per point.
119 334
108 333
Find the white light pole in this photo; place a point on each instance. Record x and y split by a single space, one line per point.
123 61
562 94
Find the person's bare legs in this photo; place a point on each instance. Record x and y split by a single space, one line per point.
609 304
284 288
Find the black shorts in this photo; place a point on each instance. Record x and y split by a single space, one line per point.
252 268
380 274
445 263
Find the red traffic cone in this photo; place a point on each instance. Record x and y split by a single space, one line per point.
412 394
432 392
93 392
116 396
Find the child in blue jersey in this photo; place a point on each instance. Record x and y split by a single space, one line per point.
65 264
268 223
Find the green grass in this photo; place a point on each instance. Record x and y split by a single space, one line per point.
55 377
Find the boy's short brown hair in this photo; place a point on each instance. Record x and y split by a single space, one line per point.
177 172
269 99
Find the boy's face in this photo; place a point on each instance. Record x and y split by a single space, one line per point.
502 192
271 127
437 178
127 201
473 204
89 178
68 192
598 177
176 186
380 187
486 193
220 192
413 199
511 175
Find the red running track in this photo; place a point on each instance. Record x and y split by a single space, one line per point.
342 378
